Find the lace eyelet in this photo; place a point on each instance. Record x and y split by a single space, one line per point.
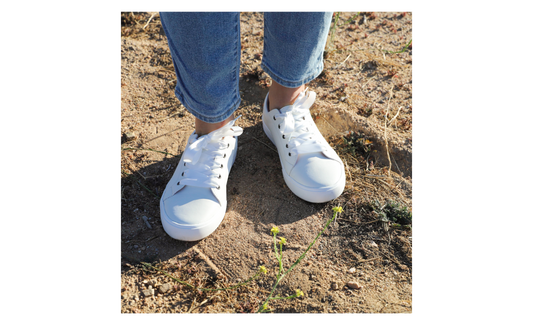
224 156
283 136
279 126
178 183
290 154
218 188
304 117
286 146
228 145
221 165
182 173
219 176
274 118
184 164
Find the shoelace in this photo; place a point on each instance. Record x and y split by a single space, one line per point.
203 157
298 130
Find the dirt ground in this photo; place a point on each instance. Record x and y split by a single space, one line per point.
363 108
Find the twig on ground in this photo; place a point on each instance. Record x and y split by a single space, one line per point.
149 20
269 147
338 132
343 61
192 304
392 119
368 82
385 131
348 169
370 259
141 174
166 153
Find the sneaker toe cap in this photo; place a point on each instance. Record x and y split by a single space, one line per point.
317 171
192 206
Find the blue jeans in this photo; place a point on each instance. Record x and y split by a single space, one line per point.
206 51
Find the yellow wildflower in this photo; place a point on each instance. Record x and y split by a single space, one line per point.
274 230
263 269
299 293
283 240
338 209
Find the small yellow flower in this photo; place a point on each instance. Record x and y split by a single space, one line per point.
265 307
283 240
274 230
338 209
299 293
263 269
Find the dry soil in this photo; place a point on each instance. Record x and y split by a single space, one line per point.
364 96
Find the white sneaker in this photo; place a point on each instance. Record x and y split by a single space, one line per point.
194 202
311 168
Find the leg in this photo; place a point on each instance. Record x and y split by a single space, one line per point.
293 50
203 128
280 96
205 50
294 46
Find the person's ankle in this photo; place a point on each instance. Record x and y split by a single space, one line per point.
280 96
203 128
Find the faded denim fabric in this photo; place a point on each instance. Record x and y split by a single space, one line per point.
206 51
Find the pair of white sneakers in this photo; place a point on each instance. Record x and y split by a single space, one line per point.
194 202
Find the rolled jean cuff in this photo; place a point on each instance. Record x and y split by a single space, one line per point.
293 46
207 118
293 83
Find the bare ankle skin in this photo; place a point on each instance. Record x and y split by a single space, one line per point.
280 96
203 128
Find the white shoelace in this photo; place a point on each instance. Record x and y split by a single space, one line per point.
203 157
298 129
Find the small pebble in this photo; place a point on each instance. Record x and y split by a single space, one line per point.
145 218
352 270
165 287
353 285
334 285
129 136
148 292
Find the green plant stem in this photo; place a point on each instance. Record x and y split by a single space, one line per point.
309 247
280 277
146 188
280 257
334 28
402 50
170 276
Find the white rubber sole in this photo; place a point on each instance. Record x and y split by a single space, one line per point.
195 232
310 194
